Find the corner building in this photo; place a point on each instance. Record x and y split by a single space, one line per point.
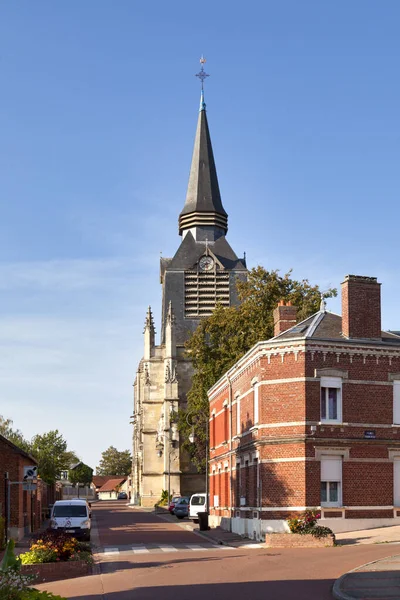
311 419
202 273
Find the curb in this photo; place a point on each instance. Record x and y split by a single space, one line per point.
338 593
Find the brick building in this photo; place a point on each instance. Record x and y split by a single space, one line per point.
311 418
24 513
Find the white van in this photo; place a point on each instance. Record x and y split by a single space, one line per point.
71 516
197 505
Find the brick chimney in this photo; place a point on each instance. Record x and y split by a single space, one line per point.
284 317
361 307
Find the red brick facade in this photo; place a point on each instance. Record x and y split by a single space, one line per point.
272 449
26 509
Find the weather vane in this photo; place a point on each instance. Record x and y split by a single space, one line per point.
202 75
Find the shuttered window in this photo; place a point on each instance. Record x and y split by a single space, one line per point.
396 402
331 480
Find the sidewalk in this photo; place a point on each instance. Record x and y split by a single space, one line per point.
214 535
379 535
379 579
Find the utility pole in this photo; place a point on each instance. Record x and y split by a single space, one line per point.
6 493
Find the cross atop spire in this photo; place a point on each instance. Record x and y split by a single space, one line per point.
202 75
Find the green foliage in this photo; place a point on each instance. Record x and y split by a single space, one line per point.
53 546
307 523
50 450
10 561
228 333
2 533
81 474
13 435
13 584
114 462
32 594
38 556
163 501
85 556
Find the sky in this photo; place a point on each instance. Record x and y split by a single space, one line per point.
98 110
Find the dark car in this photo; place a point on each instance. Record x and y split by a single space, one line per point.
181 509
122 496
174 500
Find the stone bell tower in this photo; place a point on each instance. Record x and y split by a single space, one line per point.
202 274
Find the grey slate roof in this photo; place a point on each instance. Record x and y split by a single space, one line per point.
203 195
190 251
328 326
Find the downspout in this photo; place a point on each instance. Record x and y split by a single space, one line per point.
230 448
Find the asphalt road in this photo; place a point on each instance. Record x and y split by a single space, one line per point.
143 557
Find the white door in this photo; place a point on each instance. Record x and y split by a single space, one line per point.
396 478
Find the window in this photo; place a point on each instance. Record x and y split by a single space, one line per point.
396 402
213 442
71 510
331 480
226 434
238 423
331 399
256 388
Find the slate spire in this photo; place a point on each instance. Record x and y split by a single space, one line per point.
203 206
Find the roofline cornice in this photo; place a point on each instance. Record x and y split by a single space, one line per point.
282 347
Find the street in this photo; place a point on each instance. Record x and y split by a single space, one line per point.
142 556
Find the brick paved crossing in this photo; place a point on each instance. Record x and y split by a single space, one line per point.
154 548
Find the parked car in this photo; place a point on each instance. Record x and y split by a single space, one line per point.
181 509
197 505
122 496
172 503
71 516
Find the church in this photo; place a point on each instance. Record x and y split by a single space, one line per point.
202 274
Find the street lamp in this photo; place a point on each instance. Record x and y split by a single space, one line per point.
192 439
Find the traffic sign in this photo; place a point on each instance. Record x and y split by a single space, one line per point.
29 487
30 473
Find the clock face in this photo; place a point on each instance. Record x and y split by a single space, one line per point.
206 263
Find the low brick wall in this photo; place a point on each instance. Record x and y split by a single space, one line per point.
55 571
295 540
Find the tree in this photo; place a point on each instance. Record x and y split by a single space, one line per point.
81 474
15 436
228 333
114 462
50 450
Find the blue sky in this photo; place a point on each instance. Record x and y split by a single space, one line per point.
98 109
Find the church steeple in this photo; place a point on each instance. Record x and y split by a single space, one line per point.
203 207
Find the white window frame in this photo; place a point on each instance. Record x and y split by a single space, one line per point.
256 387
336 383
338 480
238 419
396 402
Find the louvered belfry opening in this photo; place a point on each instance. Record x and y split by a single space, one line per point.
203 291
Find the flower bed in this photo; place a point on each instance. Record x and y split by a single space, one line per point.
55 556
297 540
55 571
304 533
16 586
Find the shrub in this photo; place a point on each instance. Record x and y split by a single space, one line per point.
82 555
32 594
49 548
12 583
2 533
307 523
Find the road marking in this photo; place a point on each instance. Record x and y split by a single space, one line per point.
140 550
195 547
168 549
111 550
